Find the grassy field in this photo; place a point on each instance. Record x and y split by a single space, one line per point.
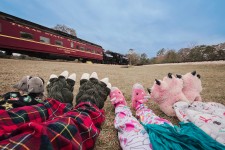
212 76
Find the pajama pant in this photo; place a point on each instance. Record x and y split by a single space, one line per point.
131 133
147 116
51 125
208 116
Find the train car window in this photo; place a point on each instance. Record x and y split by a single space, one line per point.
82 48
44 39
26 35
71 44
77 47
58 43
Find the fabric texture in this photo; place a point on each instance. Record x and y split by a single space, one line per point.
93 90
51 125
61 89
192 86
166 92
186 137
209 116
131 133
147 116
10 120
15 99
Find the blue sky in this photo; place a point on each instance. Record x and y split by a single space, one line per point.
119 25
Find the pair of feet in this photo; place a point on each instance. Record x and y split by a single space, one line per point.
139 96
91 88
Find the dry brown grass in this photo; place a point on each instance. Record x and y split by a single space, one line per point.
213 79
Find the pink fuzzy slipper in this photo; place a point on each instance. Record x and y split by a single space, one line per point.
138 96
116 97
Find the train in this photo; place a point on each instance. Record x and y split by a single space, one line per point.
24 37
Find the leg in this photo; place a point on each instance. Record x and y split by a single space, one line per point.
166 136
207 116
131 133
76 129
10 120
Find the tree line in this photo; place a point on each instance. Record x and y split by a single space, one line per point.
194 54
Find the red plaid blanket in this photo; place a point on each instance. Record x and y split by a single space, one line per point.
51 125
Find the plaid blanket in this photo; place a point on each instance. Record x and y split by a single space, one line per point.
51 125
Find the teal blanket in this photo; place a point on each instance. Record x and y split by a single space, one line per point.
186 137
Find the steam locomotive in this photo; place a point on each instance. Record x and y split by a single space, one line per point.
21 36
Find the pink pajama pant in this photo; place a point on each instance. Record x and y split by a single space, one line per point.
131 133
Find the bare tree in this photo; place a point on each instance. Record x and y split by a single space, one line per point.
183 54
130 55
133 57
65 29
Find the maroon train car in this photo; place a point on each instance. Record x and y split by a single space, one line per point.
21 36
